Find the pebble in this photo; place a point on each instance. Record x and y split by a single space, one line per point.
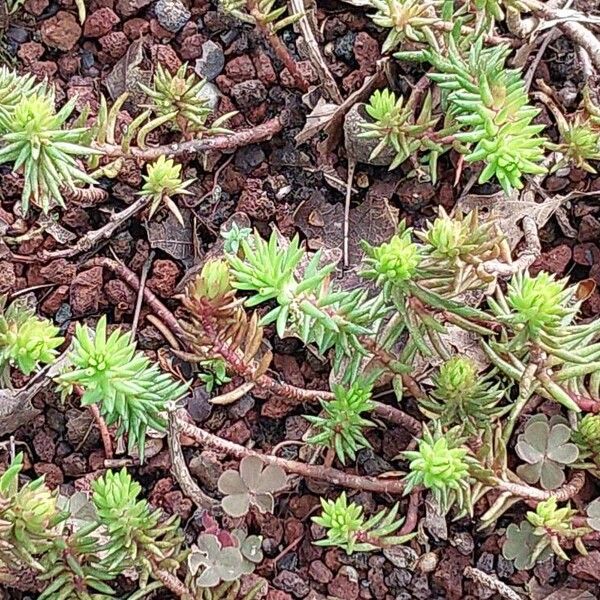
248 157
172 14
247 94
62 31
210 92
291 582
212 61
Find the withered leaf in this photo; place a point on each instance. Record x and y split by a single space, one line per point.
168 235
127 73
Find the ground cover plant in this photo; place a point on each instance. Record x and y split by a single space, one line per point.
299 301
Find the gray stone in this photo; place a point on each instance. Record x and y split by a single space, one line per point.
212 61
172 14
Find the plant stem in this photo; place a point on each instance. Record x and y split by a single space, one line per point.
172 583
562 494
525 391
412 513
237 139
331 475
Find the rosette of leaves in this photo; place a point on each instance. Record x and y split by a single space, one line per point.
128 389
162 182
29 516
347 527
454 249
579 142
251 549
12 89
392 264
260 12
26 341
524 547
408 20
490 104
462 397
233 237
443 465
342 424
587 439
137 536
308 304
181 97
546 447
552 523
253 485
593 514
537 307
395 126
214 375
35 141
210 563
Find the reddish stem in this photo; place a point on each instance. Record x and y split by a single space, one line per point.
412 513
104 433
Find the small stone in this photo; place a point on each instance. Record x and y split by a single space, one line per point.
115 44
291 582
172 14
136 28
240 69
586 567
85 291
237 433
191 47
59 271
264 69
346 584
8 277
100 22
211 62
44 445
343 47
165 274
61 31
54 300
127 8
486 562
30 51
210 93
207 469
249 93
319 572
74 465
36 7
249 157
52 474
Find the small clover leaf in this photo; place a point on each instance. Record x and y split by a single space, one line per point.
220 564
254 484
593 513
251 548
546 449
524 547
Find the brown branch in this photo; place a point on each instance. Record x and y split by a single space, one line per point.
232 141
562 494
104 433
491 583
172 583
180 470
412 513
318 472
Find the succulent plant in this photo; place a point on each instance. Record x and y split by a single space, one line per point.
253 485
524 547
35 141
137 536
463 397
394 125
408 20
392 263
341 426
587 438
181 97
546 448
26 340
308 304
490 104
260 12
214 375
251 549
161 183
348 528
536 306
234 236
579 143
218 563
442 464
127 387
12 89
593 514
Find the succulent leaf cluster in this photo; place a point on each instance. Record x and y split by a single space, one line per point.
463 397
253 485
579 142
233 238
587 439
128 389
161 183
26 341
260 12
308 304
342 424
546 448
443 465
35 139
408 20
395 127
137 535
13 87
524 547
179 98
348 528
